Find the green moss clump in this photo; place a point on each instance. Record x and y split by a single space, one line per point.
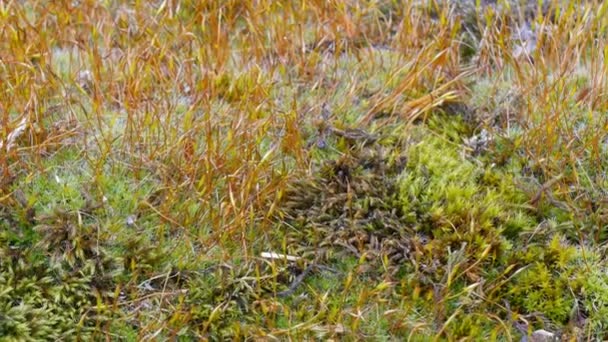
562 284
545 285
39 303
456 199
595 300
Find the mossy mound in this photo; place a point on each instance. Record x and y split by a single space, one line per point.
420 189
352 202
453 228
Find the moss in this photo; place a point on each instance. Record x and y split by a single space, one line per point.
64 259
540 289
39 302
455 199
559 282
142 203
595 301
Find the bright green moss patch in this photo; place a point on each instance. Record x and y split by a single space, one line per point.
451 196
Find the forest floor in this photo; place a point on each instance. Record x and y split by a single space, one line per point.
297 170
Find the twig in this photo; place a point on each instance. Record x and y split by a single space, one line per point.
544 189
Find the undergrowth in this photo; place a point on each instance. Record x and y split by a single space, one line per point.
288 170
